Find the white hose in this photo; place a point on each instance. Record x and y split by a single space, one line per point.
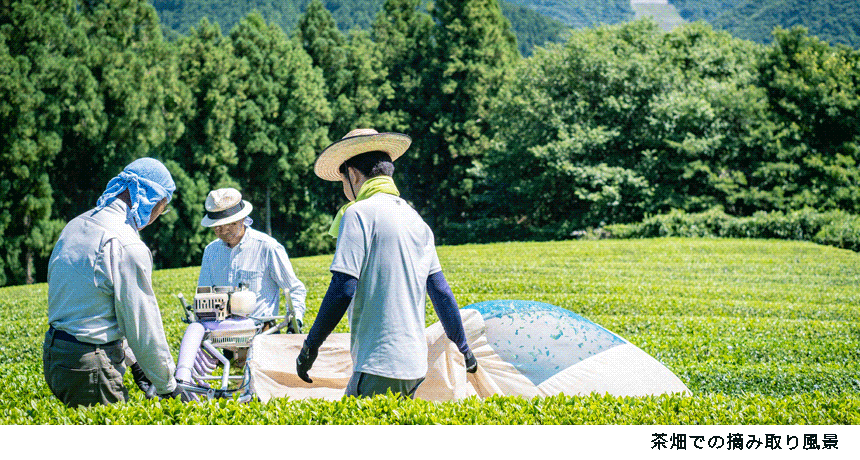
188 351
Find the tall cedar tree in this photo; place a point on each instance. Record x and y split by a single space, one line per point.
403 34
40 82
281 124
202 158
812 149
355 79
471 50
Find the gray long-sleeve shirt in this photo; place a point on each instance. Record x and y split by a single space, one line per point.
100 290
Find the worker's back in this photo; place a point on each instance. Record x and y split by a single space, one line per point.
386 245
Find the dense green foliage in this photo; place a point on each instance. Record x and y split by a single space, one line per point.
617 123
625 121
761 331
834 21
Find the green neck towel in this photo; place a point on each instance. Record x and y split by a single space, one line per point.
372 186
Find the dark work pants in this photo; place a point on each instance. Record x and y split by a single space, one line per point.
368 385
81 374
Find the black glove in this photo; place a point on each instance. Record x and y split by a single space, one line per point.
471 362
178 391
142 381
304 362
290 329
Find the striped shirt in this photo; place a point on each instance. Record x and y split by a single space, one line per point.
261 264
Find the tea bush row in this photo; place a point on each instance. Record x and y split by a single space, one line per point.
712 409
835 228
761 331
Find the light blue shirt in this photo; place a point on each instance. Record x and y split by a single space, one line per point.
386 245
100 289
261 264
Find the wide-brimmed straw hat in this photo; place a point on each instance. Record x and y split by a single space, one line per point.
223 206
356 142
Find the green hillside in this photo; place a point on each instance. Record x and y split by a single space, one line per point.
533 26
835 21
664 14
179 15
582 13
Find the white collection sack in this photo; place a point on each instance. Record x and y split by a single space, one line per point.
523 348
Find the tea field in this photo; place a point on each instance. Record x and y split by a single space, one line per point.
761 331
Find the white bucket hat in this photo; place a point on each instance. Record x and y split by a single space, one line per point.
223 206
356 142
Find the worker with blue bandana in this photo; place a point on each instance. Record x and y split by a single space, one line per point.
102 311
384 266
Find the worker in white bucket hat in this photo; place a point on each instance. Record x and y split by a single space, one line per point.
384 266
223 206
247 256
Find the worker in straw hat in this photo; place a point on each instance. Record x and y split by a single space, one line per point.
242 255
102 310
384 266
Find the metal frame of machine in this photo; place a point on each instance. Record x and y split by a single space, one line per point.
214 323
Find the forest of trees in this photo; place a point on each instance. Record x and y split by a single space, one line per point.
616 124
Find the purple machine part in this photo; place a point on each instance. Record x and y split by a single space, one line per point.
198 358
188 351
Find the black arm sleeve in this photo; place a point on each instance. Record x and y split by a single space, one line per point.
334 305
446 309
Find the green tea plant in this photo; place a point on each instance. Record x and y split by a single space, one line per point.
761 331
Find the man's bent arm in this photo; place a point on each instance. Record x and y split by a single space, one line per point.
340 293
446 309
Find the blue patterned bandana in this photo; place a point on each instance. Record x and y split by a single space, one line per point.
148 182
